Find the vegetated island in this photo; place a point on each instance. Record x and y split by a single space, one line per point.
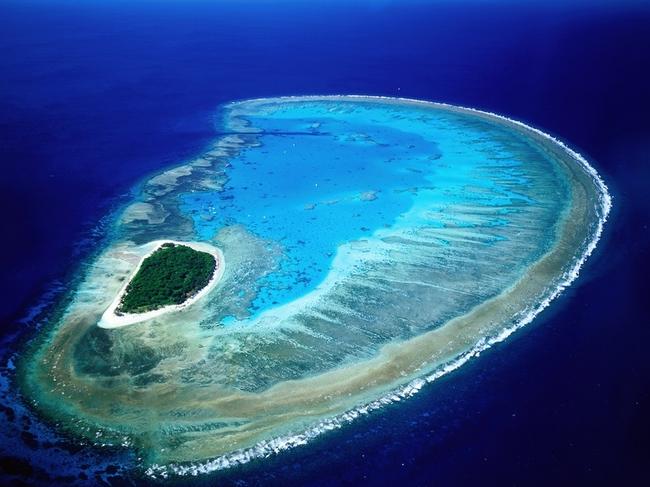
172 276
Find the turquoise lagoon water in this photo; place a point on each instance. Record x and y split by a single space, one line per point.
319 176
368 243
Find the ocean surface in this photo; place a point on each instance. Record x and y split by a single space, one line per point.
97 97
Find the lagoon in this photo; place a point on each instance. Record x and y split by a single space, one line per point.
372 246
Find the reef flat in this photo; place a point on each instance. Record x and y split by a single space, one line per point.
373 245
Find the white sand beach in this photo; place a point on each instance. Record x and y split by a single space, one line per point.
111 320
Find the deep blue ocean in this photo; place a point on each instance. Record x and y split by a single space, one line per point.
97 95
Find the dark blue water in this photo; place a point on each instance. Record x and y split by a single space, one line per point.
94 96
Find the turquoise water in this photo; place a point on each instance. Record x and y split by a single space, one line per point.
367 243
319 177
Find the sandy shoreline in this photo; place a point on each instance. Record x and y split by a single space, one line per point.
111 320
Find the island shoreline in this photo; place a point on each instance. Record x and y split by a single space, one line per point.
110 319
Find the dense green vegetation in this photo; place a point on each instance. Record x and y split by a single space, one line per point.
170 275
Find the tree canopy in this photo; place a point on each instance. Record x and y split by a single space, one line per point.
170 275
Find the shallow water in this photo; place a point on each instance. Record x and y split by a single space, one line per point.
324 177
368 243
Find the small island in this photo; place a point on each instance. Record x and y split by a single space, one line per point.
170 277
